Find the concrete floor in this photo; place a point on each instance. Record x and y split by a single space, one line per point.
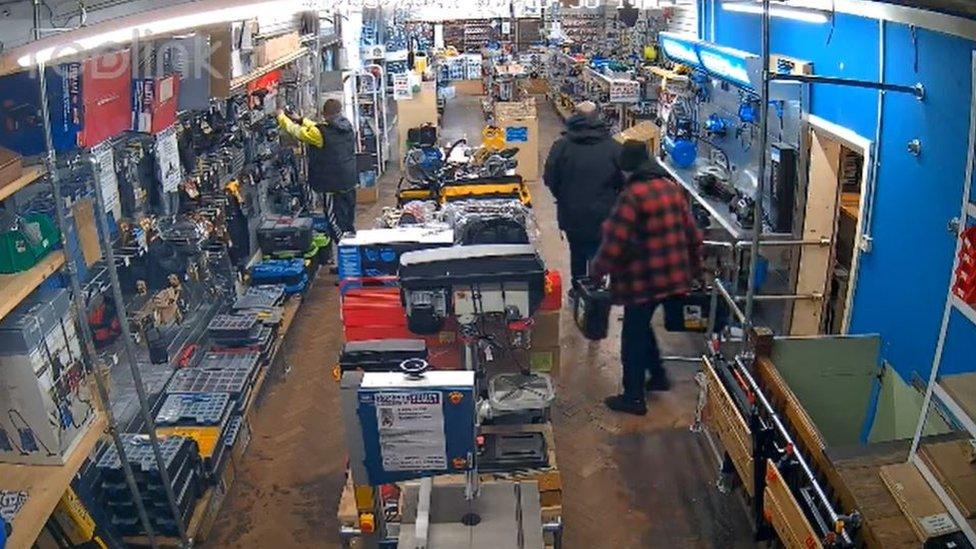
627 481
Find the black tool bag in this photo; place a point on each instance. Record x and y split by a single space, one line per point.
492 230
591 308
424 136
689 313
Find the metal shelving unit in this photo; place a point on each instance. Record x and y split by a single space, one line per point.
46 484
950 397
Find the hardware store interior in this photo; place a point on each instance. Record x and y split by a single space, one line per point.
517 274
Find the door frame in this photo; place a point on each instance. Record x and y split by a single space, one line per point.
866 147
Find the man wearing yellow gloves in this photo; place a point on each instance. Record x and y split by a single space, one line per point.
331 163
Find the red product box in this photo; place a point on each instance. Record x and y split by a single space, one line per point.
373 307
106 97
155 103
553 300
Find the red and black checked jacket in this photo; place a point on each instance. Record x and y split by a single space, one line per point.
651 246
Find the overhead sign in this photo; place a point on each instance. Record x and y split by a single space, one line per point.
624 91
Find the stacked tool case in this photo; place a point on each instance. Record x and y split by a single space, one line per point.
204 417
182 462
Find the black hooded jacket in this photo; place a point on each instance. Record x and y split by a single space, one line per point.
583 175
332 167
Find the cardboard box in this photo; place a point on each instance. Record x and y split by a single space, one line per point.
191 55
367 195
11 167
521 132
155 102
106 94
231 55
376 252
35 335
469 87
272 49
21 129
645 132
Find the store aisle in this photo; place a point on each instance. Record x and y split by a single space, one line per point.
627 481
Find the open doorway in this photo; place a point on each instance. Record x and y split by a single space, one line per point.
837 198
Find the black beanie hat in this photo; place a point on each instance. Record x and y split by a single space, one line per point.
633 155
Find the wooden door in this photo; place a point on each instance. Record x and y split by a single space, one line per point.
820 220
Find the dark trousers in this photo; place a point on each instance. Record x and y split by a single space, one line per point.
580 254
639 352
340 211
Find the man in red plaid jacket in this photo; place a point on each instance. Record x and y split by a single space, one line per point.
651 249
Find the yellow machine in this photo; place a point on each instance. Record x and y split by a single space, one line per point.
505 187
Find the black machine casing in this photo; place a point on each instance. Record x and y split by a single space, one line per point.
383 355
429 280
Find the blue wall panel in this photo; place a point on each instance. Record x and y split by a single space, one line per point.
903 282
959 354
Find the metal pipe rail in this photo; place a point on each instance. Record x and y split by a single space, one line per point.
720 288
816 296
742 244
918 90
783 432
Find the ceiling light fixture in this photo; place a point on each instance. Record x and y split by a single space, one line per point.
784 12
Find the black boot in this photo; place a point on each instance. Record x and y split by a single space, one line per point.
622 403
658 384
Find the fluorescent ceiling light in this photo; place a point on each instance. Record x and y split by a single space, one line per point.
67 45
785 12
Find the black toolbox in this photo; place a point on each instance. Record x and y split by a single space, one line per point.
278 234
591 308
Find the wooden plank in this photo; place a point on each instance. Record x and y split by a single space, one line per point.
923 509
84 214
859 486
783 398
785 514
14 288
724 419
347 514
850 204
30 175
820 220
952 463
962 389
44 484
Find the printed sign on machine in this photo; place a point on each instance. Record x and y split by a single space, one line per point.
411 431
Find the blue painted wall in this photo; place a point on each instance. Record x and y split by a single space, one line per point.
903 282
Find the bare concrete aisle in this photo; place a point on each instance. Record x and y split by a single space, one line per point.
627 481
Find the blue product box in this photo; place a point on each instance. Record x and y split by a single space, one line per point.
21 120
376 252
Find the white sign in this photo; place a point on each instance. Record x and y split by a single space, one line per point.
401 87
624 91
168 160
411 431
107 180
